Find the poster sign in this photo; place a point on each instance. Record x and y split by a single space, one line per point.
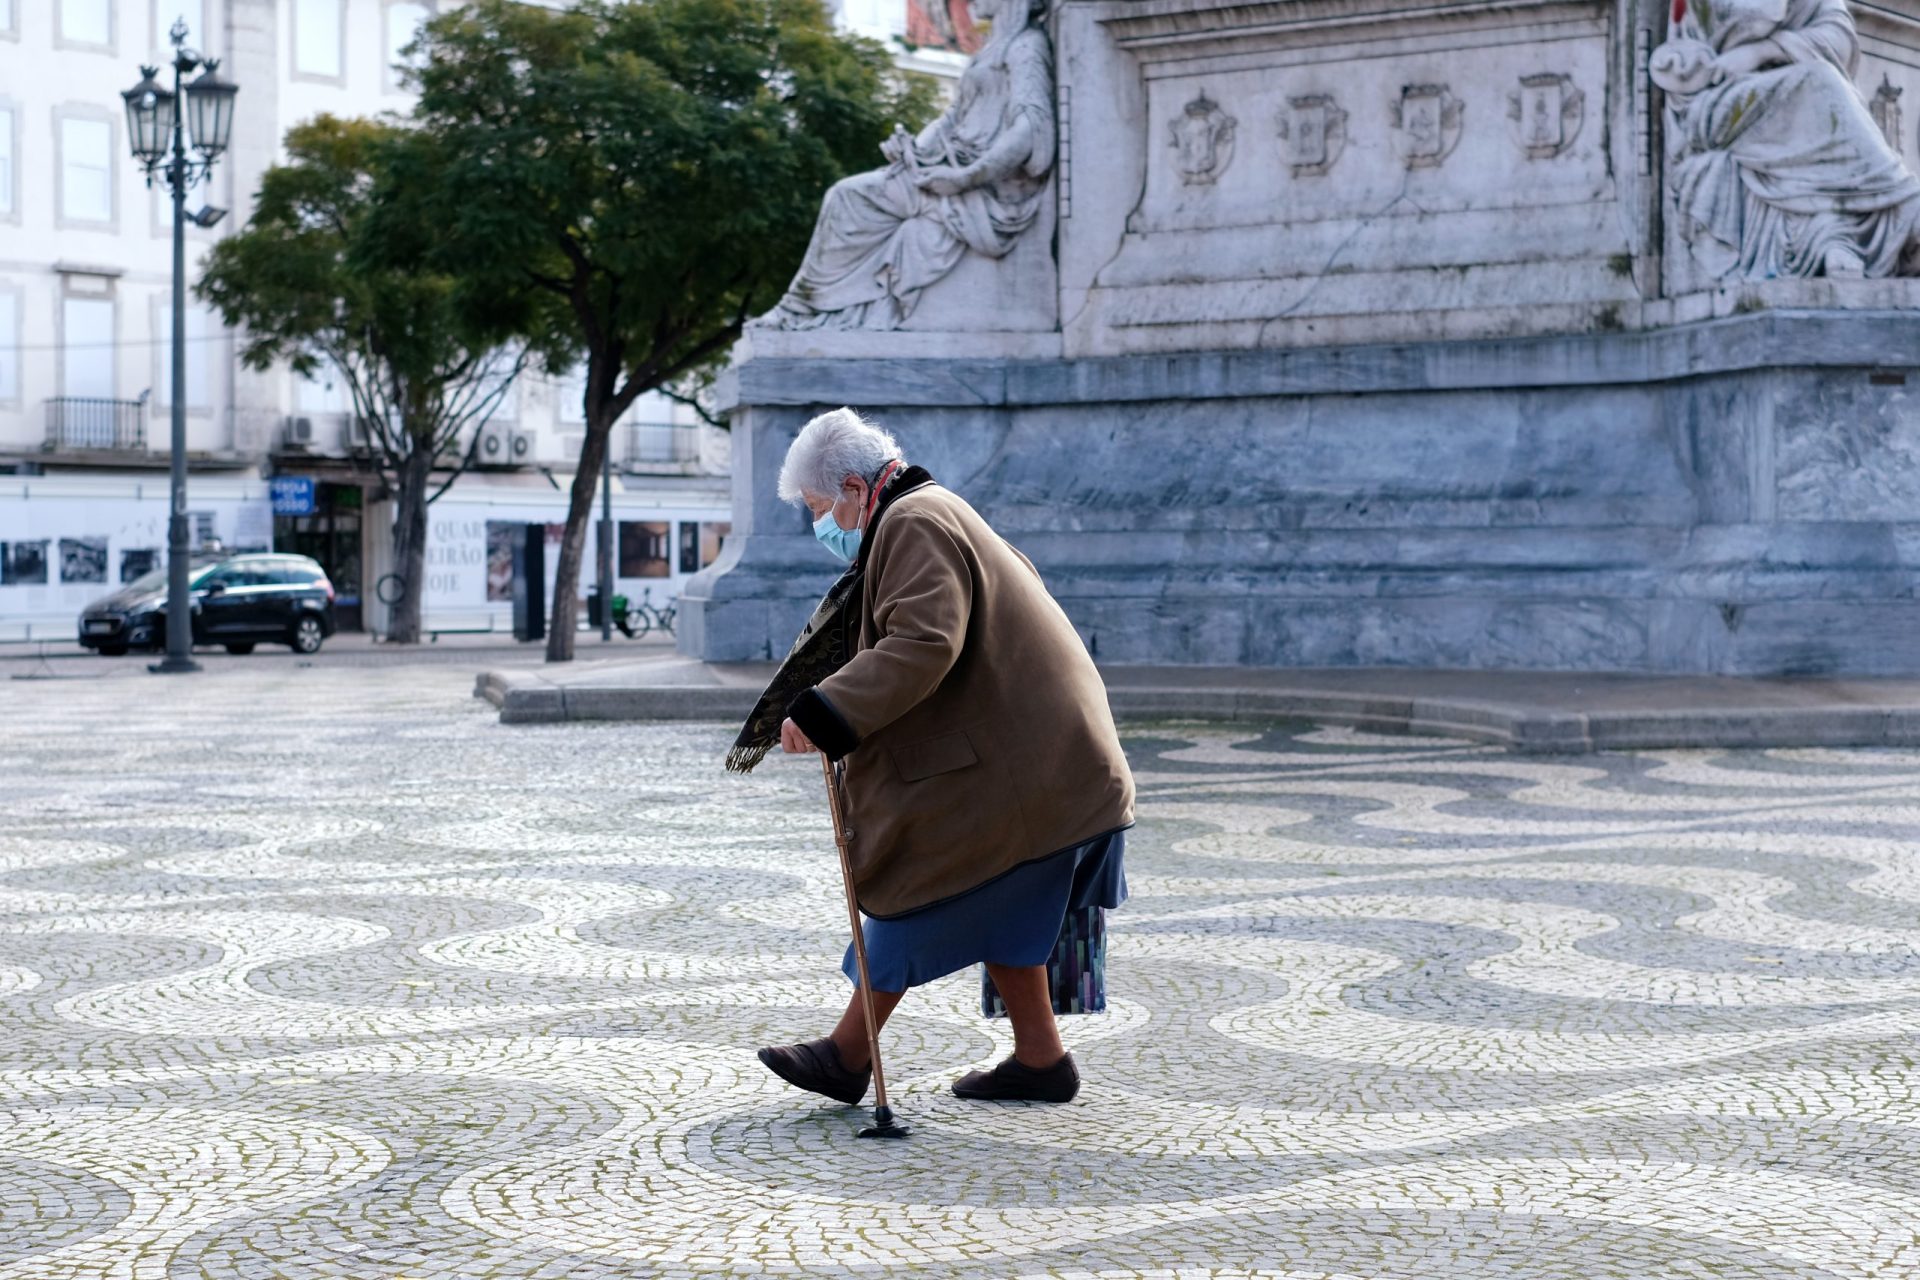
292 495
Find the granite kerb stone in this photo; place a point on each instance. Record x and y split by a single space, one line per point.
1760 341
528 698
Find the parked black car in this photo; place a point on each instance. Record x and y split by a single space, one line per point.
238 601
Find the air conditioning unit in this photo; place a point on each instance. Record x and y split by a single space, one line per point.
502 446
298 433
359 435
495 448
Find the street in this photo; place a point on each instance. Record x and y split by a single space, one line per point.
314 969
67 660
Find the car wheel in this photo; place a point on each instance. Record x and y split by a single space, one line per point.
241 648
307 634
113 651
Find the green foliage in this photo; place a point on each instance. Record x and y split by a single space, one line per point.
628 182
307 286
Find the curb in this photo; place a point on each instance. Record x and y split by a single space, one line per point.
530 699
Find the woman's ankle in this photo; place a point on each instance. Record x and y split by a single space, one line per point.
1044 1059
854 1057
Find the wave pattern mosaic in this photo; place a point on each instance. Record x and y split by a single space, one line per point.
329 974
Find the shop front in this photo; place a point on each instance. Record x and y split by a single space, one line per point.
666 530
322 519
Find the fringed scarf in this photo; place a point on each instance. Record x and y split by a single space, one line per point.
826 643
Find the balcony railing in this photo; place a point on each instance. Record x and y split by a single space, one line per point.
79 422
654 444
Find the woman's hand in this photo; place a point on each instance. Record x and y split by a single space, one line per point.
1746 59
944 180
794 742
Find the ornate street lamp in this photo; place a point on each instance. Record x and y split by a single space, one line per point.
157 131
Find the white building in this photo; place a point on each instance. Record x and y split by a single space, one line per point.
85 322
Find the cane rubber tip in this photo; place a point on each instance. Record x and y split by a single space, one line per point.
884 1125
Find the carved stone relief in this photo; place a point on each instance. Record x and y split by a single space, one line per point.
1777 163
1426 125
1886 112
1313 133
1546 112
1202 141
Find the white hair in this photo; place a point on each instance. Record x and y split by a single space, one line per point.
829 449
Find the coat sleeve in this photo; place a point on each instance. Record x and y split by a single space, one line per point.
922 588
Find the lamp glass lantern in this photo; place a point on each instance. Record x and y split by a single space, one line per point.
210 110
150 106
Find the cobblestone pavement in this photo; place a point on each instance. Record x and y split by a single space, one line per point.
311 973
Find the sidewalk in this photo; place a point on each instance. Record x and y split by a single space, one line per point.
1526 710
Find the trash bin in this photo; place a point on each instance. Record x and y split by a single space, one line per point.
595 611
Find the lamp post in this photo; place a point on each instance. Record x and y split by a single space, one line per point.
158 130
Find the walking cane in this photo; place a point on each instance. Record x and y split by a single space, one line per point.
884 1125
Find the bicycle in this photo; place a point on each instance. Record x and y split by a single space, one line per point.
636 619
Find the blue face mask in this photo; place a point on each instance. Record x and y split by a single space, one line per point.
844 543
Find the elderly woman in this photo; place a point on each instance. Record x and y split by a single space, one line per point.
986 788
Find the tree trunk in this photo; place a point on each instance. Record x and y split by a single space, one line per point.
566 575
410 545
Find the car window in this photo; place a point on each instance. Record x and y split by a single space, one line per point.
229 574
296 574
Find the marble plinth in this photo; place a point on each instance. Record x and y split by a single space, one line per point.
1738 496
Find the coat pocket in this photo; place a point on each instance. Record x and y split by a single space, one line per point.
931 756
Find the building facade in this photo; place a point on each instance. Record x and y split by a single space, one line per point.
85 334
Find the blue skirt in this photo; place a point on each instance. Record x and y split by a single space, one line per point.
1013 920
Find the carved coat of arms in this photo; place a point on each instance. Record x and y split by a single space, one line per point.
1202 141
1426 124
1885 108
1546 112
1313 132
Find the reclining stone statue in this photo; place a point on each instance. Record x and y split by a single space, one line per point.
972 182
1776 164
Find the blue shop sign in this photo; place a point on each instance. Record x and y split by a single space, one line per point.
292 495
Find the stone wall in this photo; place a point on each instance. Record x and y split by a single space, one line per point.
1682 501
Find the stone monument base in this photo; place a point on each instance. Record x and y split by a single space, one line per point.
1733 496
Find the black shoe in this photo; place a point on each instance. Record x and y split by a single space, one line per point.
1013 1082
815 1066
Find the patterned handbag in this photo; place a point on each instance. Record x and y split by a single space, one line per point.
1076 971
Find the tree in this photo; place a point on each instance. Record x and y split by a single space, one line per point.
627 184
307 286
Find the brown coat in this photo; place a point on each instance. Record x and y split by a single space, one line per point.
975 728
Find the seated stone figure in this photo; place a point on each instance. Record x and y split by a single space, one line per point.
1777 166
972 181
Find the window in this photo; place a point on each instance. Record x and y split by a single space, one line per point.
6 19
494 381
875 15
571 392
200 329
231 574
86 339
7 198
325 392
316 38
86 170
9 347
86 22
403 23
